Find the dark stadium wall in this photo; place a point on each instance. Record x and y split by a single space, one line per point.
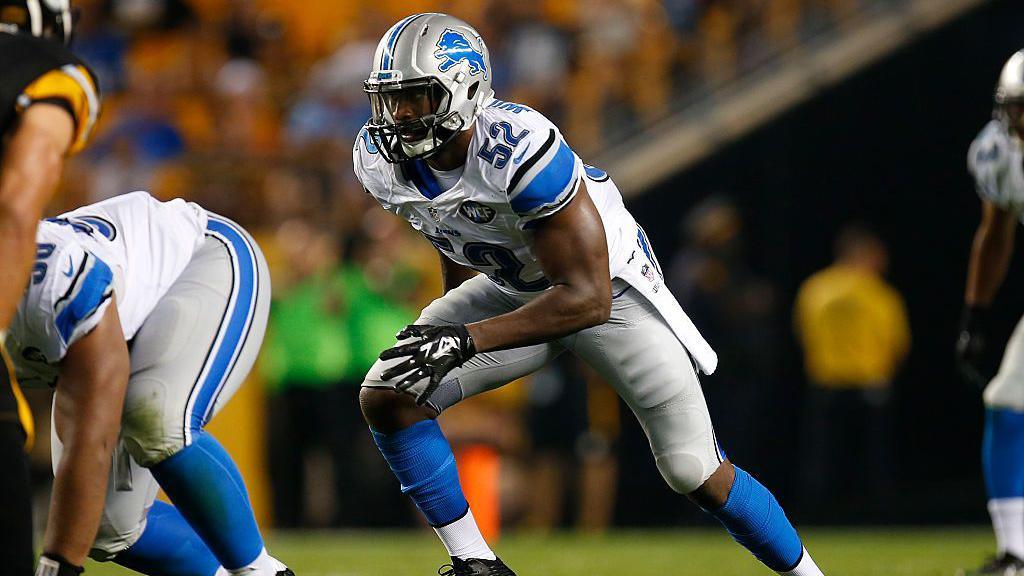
887 148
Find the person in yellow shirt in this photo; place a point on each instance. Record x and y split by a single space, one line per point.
852 326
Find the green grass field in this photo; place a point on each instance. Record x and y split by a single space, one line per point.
861 552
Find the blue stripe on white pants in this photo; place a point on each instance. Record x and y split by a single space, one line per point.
237 321
202 480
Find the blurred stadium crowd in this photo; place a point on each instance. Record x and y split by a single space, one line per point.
250 107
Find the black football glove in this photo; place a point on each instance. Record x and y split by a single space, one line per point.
971 345
437 351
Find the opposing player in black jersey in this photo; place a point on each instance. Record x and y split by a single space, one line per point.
49 103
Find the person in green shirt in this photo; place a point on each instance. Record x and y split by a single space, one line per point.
326 326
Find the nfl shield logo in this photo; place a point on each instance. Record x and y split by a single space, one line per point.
646 271
433 213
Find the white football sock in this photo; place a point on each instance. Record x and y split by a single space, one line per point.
278 565
1008 524
263 565
463 539
806 567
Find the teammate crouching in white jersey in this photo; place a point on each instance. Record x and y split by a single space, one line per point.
497 190
145 317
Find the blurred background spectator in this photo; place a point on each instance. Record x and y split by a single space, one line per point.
572 418
853 328
735 309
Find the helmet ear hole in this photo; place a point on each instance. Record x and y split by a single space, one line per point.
472 90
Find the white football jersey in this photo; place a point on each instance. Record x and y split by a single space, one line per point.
132 247
996 161
519 170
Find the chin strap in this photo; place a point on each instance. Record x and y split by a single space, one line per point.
56 565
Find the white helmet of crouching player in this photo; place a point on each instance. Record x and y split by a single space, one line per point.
431 76
1009 96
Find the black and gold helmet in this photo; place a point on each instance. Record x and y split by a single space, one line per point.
52 19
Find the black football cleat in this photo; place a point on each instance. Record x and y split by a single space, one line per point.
285 572
475 567
1002 565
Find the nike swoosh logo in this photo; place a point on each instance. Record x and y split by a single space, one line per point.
521 154
71 268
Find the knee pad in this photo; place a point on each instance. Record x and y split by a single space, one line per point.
682 440
149 451
149 433
1005 391
684 472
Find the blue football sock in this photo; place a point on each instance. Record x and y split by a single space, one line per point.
1002 453
755 519
168 547
205 485
422 460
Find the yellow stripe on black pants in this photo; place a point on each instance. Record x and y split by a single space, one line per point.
16 434
12 402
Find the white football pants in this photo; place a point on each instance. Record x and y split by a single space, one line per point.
189 357
635 351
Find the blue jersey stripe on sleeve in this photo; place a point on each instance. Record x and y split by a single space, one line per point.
548 184
92 293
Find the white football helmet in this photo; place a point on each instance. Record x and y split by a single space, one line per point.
431 76
1010 93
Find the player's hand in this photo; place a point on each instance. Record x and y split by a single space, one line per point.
971 345
437 351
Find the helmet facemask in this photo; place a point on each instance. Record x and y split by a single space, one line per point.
1010 112
50 19
411 119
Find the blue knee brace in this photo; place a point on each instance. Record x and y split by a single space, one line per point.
754 518
422 460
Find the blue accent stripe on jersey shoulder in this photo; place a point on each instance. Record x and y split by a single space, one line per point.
235 328
548 184
387 59
92 293
423 178
645 245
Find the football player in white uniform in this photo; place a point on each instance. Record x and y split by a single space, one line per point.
145 317
497 190
996 160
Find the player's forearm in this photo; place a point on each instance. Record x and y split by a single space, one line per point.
79 493
17 251
31 171
87 420
87 417
990 257
559 311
